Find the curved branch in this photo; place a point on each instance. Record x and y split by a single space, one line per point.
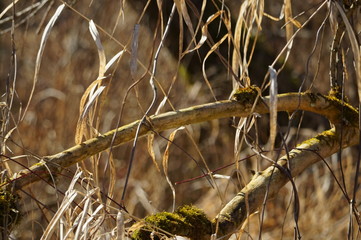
272 179
243 106
252 196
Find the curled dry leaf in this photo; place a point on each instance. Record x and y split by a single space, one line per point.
151 150
96 37
214 48
165 162
39 56
204 31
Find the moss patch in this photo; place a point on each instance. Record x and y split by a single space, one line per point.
340 112
246 95
9 213
187 221
349 114
336 91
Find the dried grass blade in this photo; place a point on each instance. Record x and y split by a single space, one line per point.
98 226
165 163
204 32
354 45
181 37
288 19
159 5
204 3
7 8
92 99
102 60
84 212
161 105
120 14
315 13
115 58
214 47
112 180
68 199
356 49
273 106
239 38
4 146
184 16
75 179
120 226
236 55
91 218
220 22
184 13
287 7
250 12
154 88
151 150
296 23
244 126
237 143
80 127
39 56
81 121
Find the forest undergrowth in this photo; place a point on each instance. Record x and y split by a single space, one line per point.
113 111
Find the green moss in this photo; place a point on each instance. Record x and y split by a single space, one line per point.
184 73
246 95
38 164
9 213
327 136
336 91
343 112
187 221
349 114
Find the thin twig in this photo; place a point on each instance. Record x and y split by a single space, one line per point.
154 88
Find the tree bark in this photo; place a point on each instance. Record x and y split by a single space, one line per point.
244 105
272 179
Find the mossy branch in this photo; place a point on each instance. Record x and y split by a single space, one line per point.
252 196
272 179
187 221
244 103
242 106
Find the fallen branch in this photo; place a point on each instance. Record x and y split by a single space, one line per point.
272 179
242 106
252 196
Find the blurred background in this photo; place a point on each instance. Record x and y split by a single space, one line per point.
70 64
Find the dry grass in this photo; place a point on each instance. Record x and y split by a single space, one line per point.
57 91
